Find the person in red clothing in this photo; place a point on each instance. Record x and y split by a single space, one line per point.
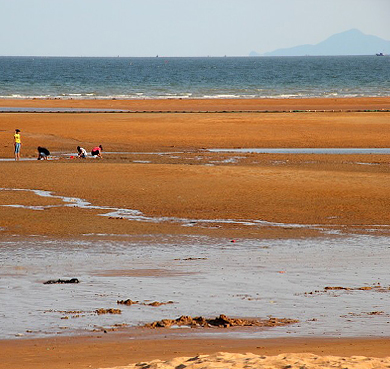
97 151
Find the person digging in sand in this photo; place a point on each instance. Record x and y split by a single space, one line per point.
97 152
43 153
81 152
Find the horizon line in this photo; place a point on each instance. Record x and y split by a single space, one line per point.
158 56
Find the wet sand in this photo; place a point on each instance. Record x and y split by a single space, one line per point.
359 103
341 193
111 351
357 197
163 171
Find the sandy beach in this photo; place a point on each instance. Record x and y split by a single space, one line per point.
158 177
304 189
223 360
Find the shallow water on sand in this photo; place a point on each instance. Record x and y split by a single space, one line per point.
314 150
202 276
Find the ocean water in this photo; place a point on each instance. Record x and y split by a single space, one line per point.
246 77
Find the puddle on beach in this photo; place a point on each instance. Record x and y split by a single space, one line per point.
21 159
60 110
201 276
330 151
55 155
200 157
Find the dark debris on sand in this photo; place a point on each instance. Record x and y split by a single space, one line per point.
220 322
108 311
62 281
375 288
130 302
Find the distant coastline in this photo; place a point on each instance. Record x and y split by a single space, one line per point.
351 42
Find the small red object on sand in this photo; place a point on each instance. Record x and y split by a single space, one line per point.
72 157
233 241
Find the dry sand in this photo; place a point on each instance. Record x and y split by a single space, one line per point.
348 192
223 360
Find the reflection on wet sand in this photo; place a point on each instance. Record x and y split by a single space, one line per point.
314 150
202 277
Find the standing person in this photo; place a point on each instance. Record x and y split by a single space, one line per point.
81 152
17 144
97 151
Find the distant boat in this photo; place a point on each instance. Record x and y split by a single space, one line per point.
380 54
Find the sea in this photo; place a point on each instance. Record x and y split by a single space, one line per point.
203 77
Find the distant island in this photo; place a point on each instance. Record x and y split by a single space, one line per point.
352 42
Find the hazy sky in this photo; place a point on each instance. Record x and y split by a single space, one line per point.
180 27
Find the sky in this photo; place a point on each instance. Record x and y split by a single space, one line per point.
179 27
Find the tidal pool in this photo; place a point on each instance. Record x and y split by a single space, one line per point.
333 151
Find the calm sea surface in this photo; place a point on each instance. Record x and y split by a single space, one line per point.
247 77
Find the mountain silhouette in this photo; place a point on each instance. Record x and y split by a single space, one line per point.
352 42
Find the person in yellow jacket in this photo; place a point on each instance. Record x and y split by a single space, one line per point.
17 144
